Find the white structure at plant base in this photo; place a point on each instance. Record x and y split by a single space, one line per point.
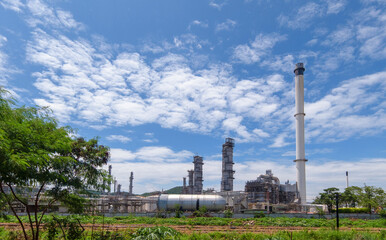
299 115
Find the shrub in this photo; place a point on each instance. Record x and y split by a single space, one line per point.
228 213
178 210
382 213
156 233
259 215
352 210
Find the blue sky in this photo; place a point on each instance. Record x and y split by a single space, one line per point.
161 81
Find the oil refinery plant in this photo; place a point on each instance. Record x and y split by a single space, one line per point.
266 192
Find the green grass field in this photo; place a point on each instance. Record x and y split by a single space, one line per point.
160 233
216 221
160 229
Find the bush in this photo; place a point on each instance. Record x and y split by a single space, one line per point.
382 213
352 210
178 210
156 233
259 215
228 213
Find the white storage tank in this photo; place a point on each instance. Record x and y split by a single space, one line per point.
190 202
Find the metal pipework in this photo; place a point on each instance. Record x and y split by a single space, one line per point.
190 202
300 140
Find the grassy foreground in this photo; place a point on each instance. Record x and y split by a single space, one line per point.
216 221
160 233
158 228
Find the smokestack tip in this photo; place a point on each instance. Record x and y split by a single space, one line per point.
299 69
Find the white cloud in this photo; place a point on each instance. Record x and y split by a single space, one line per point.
3 62
80 83
15 5
149 154
283 63
218 4
312 42
339 36
199 23
43 15
119 138
260 47
40 14
309 152
226 26
349 110
361 38
6 68
305 15
279 141
150 164
335 6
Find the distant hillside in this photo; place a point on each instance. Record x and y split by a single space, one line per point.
175 190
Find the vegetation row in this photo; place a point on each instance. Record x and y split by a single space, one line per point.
159 233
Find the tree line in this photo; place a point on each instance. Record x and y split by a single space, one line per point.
370 197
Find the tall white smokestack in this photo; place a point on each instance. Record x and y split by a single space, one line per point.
299 115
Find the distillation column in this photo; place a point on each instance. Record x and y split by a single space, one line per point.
190 181
227 165
198 178
299 115
184 188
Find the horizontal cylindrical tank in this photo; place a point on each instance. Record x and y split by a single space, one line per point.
190 202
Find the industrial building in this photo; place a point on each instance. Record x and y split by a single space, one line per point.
267 189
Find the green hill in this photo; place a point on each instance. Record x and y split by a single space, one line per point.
175 190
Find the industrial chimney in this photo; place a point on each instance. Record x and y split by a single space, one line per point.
190 181
184 189
198 178
131 184
299 115
110 167
227 165
115 185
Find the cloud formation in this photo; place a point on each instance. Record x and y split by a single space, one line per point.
260 47
305 15
226 26
119 138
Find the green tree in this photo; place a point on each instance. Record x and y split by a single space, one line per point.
350 196
372 197
41 163
327 197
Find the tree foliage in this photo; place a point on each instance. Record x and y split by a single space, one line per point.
327 197
42 163
350 196
370 197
